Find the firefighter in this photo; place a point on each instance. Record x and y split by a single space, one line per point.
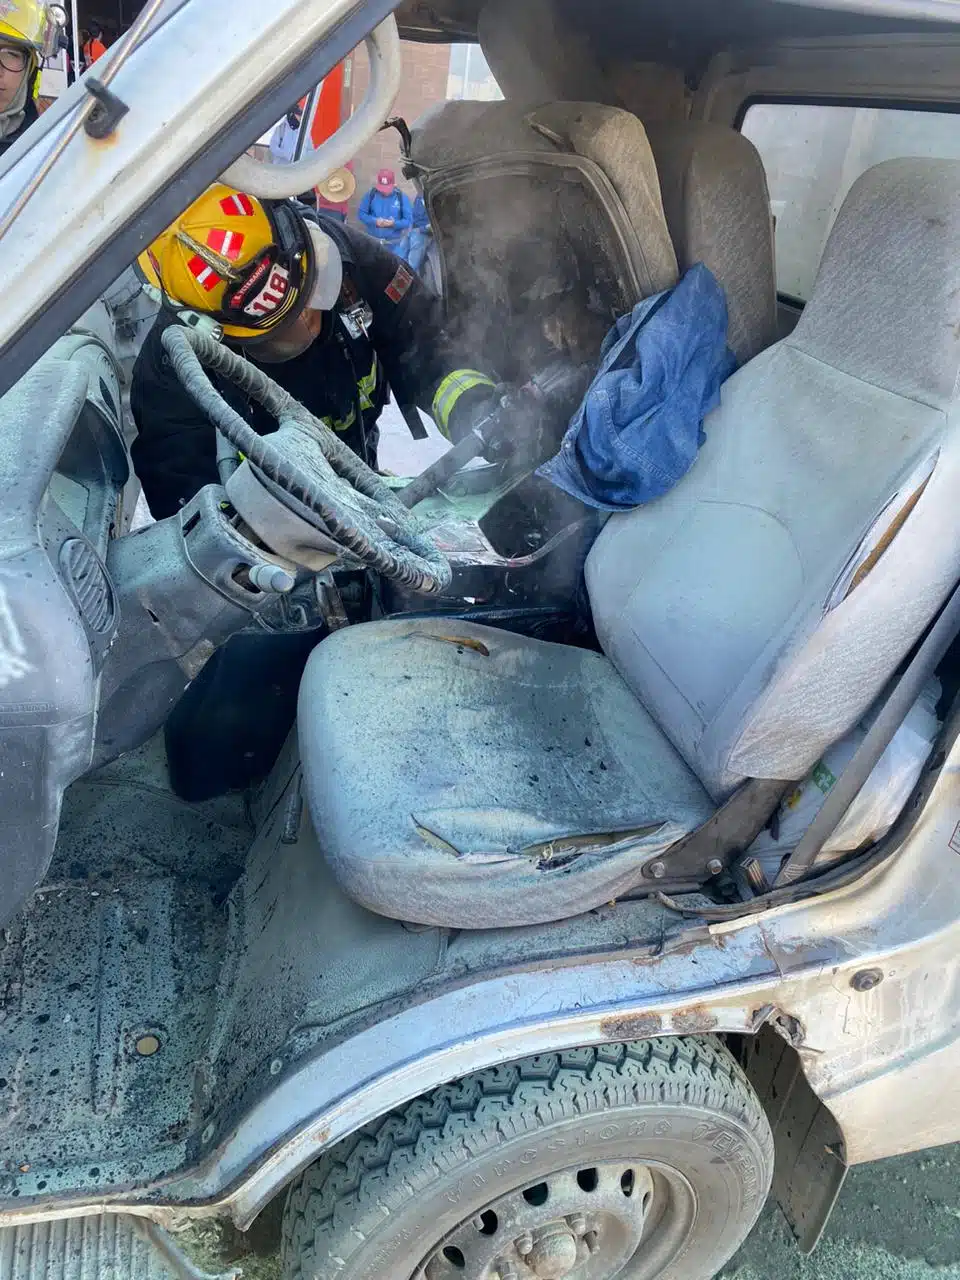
337 320
24 25
331 315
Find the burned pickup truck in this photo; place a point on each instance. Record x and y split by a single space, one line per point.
613 850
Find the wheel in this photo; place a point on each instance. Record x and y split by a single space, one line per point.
641 1160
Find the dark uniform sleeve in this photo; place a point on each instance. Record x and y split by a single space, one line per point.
175 452
408 333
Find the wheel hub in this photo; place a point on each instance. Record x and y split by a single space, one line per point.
578 1224
554 1252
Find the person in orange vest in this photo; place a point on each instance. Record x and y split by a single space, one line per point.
93 47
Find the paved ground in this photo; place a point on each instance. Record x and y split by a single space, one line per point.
896 1220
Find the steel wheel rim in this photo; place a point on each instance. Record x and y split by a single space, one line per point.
589 1221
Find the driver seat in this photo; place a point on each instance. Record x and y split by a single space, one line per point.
466 777
549 223
528 203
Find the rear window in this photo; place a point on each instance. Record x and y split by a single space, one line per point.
813 155
470 77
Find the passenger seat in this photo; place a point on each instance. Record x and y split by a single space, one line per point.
717 207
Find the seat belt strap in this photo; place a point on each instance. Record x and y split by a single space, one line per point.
901 698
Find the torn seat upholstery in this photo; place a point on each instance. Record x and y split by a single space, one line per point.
454 773
508 770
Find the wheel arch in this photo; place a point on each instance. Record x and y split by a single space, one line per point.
811 1161
740 1011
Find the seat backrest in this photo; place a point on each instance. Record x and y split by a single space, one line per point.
717 206
760 607
549 223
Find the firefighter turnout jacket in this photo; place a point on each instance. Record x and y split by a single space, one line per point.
385 332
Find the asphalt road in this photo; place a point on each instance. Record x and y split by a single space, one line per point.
895 1220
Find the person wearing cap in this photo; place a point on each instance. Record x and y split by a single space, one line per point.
385 210
336 320
24 25
332 316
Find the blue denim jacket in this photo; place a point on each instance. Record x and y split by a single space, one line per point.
639 426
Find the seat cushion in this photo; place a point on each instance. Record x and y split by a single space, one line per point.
463 776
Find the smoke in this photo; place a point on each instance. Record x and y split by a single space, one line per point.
531 285
531 274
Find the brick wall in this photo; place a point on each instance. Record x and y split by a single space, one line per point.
425 71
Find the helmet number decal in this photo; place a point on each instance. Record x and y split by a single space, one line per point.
272 294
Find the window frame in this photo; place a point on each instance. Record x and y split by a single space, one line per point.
927 107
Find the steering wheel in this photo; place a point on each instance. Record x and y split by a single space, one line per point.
323 479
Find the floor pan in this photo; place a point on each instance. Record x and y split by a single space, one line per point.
105 991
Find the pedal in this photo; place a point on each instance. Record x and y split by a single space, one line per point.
105 1246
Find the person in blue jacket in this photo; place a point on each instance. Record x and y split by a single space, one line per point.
413 247
385 210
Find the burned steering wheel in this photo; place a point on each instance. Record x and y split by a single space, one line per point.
346 499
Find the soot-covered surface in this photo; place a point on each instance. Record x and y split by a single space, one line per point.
106 983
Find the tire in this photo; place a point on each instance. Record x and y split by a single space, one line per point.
562 1154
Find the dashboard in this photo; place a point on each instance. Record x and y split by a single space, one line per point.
63 468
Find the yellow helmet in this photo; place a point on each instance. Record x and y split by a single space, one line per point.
248 263
27 23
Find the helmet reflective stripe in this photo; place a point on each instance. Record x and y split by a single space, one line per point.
206 275
227 243
237 206
217 262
